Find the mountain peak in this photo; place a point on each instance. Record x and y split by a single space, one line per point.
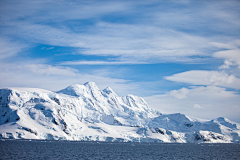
91 84
221 119
83 112
70 90
109 91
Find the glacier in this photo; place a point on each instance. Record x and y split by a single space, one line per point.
86 113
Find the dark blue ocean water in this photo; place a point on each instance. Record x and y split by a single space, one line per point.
24 149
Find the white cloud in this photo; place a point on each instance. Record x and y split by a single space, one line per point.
10 48
225 11
232 57
143 43
201 102
231 54
56 78
197 106
200 77
45 34
41 69
180 94
100 62
59 10
223 45
227 64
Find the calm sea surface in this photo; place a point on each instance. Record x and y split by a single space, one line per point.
24 149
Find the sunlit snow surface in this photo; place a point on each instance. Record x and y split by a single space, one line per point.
83 112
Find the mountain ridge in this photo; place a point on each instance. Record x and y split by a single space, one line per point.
84 112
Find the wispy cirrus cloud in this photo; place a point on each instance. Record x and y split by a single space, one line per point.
161 36
49 70
58 11
101 62
10 48
141 43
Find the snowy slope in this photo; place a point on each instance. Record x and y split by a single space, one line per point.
84 112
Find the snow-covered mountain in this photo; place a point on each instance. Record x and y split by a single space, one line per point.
83 112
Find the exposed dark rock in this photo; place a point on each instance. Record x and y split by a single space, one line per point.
136 126
176 138
198 137
216 136
7 120
18 94
188 124
30 130
117 122
169 132
4 114
110 102
67 132
56 121
56 100
158 113
65 128
36 100
158 130
206 140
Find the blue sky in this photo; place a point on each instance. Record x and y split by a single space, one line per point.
181 56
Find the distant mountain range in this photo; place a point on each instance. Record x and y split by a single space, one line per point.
83 112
